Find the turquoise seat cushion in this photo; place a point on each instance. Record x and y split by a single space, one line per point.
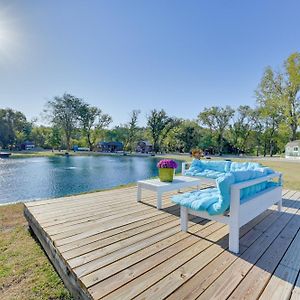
213 200
198 200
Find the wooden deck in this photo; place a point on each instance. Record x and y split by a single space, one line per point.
107 246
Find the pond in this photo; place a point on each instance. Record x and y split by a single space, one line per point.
25 179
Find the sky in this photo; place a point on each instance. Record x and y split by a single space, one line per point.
121 55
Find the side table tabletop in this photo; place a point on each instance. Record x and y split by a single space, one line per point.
159 187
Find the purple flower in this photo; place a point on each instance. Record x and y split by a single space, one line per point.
167 163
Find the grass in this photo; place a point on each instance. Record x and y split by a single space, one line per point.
289 169
25 271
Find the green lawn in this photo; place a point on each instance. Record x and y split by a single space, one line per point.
25 272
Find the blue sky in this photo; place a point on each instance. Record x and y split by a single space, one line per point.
122 55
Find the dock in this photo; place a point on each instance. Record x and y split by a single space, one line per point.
105 245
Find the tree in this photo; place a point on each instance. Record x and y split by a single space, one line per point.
291 92
217 120
132 130
241 128
64 113
92 120
285 86
54 139
271 107
189 134
159 125
14 128
116 134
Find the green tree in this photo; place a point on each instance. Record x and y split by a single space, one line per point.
189 134
285 86
39 135
54 138
217 120
116 134
64 113
159 125
14 128
271 107
291 92
92 120
133 130
241 128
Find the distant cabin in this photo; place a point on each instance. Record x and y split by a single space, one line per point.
110 146
292 149
144 147
27 145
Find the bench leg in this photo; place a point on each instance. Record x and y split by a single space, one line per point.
234 235
159 200
139 193
279 205
184 218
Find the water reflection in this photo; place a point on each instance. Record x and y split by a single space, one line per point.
48 177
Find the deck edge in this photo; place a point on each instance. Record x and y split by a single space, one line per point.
70 280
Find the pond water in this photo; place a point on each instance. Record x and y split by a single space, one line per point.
49 177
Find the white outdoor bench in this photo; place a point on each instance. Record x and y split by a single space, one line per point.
240 214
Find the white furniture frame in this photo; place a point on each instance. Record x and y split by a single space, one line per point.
240 214
161 187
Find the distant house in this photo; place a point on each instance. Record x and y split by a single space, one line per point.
27 145
292 149
110 146
144 147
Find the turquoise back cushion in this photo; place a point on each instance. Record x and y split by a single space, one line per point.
220 166
236 166
245 175
224 186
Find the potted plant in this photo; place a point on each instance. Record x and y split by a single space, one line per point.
166 169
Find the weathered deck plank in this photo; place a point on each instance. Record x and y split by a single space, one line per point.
106 245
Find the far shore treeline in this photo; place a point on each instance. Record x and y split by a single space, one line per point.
261 130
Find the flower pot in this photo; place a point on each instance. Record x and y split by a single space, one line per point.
166 174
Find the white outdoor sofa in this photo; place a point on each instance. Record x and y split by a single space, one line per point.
240 212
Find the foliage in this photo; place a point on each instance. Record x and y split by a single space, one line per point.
291 92
14 128
217 120
64 113
241 128
92 121
159 124
132 131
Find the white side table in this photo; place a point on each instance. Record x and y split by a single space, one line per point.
159 187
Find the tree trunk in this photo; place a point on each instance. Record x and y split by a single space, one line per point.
271 148
68 138
89 142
